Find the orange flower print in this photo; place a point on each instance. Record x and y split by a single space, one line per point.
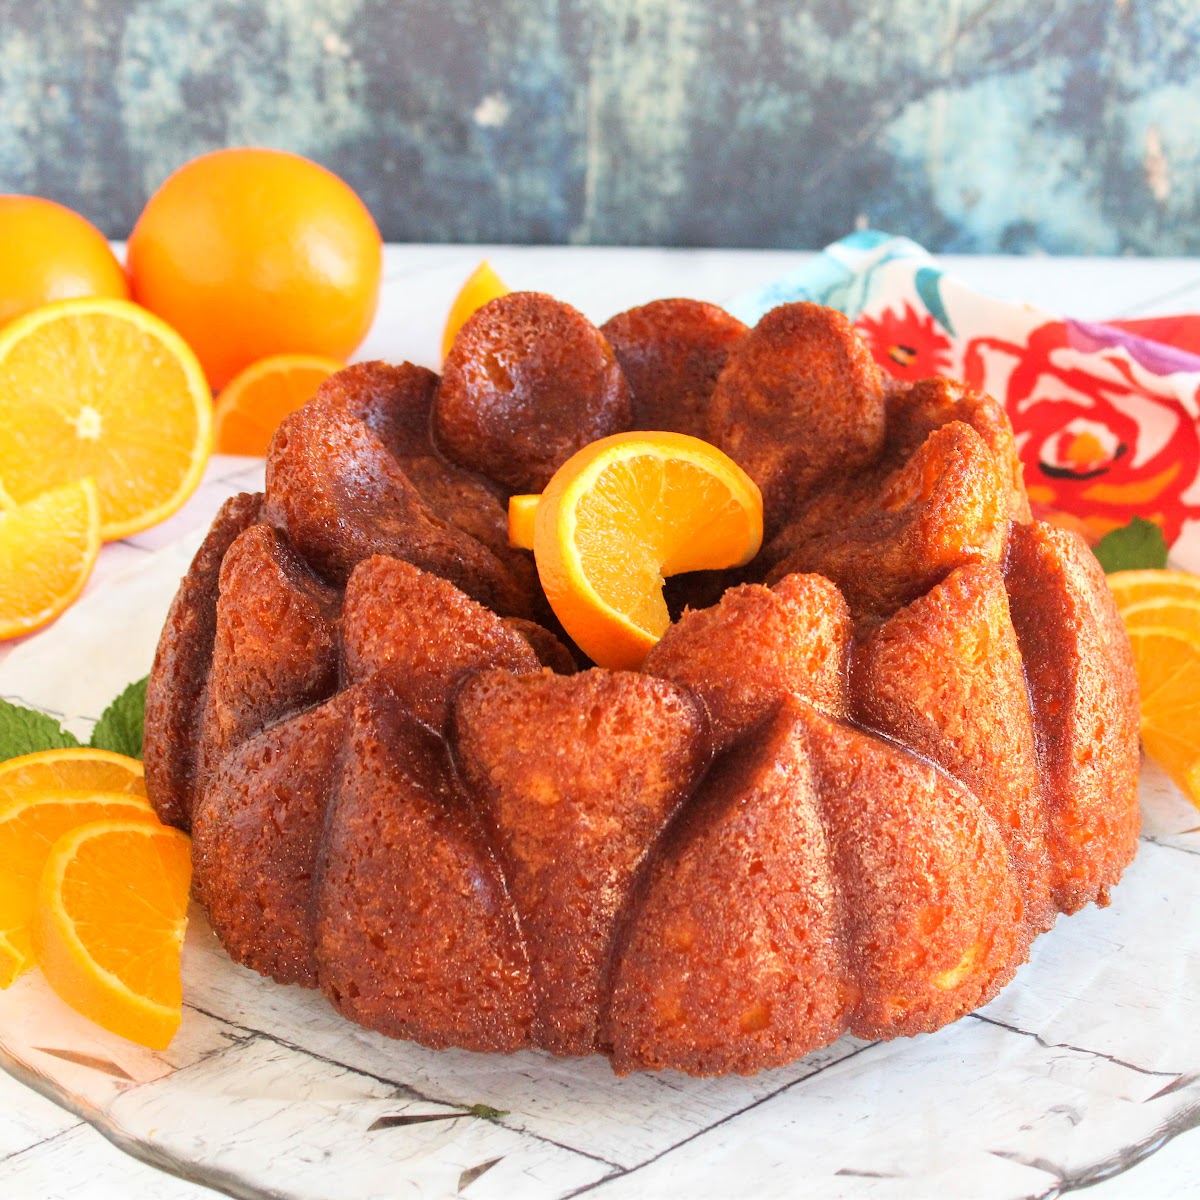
908 344
1099 446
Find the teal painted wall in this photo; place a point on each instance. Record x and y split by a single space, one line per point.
971 125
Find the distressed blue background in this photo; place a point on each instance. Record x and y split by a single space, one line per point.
970 125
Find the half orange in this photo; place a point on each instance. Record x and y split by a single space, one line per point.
102 389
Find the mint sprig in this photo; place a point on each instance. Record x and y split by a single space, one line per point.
26 730
1138 546
120 726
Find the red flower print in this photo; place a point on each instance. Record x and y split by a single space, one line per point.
907 344
1099 446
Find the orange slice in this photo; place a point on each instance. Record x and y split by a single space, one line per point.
1130 587
1180 612
77 769
252 404
111 915
102 389
47 550
622 514
1168 670
482 285
522 516
30 823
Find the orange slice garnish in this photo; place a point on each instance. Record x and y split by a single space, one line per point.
622 514
30 823
1168 670
48 547
108 930
103 389
483 284
1131 587
75 768
253 403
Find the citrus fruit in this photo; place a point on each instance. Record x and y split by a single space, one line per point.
623 513
522 516
1174 612
31 822
77 768
48 253
253 252
109 924
1168 670
47 550
102 388
483 284
1128 587
252 404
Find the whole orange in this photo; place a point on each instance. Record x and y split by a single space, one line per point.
48 252
251 252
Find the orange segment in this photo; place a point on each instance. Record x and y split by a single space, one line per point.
252 404
111 915
102 388
522 515
622 514
1179 612
1129 587
75 769
1168 669
482 285
47 550
30 823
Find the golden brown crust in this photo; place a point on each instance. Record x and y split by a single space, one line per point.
275 649
258 828
933 916
175 691
742 656
577 774
528 381
800 399
341 497
723 969
945 507
420 635
1084 694
672 352
943 677
415 933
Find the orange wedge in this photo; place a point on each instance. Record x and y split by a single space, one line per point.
1168 670
252 404
622 514
1130 587
77 769
30 823
102 389
48 547
111 915
482 285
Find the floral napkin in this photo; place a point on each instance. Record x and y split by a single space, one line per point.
1107 416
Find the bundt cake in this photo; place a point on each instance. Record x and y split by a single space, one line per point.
842 794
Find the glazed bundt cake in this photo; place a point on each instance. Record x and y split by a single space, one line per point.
844 794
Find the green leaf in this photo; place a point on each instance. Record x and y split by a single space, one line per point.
24 730
1133 547
120 726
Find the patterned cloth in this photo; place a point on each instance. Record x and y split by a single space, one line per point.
1107 417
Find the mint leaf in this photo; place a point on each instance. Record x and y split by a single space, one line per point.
120 726
24 730
1133 547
